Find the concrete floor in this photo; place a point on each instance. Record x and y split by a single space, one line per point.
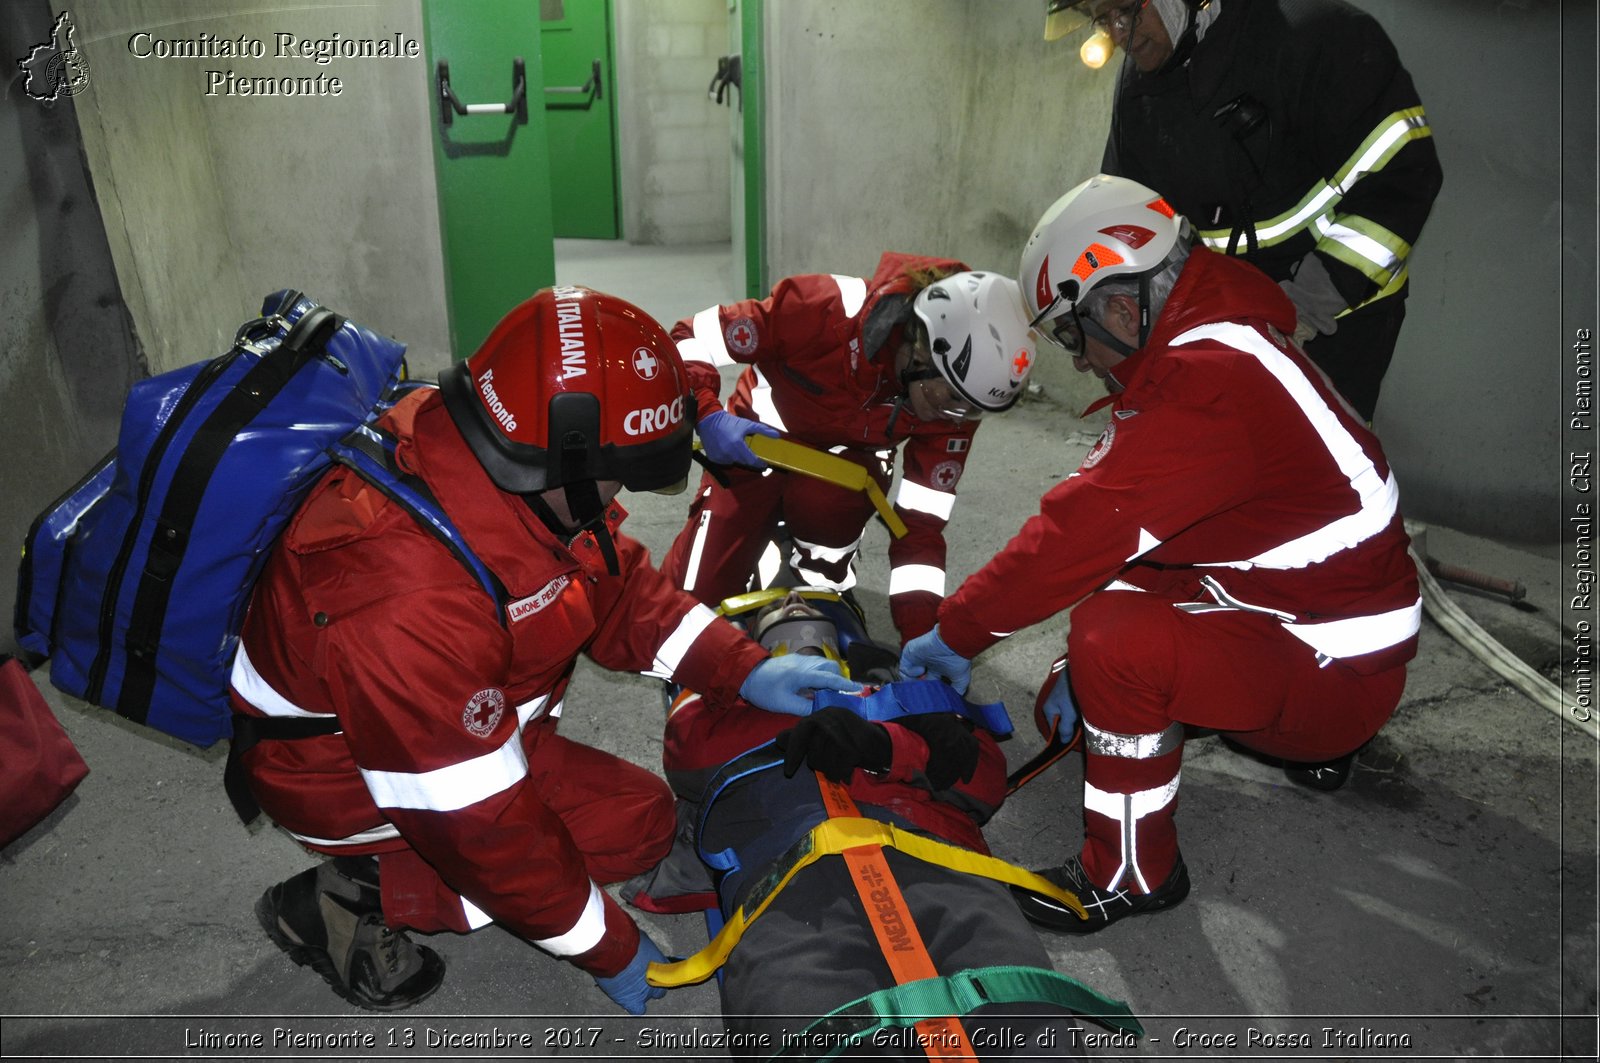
1442 906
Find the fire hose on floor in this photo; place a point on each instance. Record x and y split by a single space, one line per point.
1478 642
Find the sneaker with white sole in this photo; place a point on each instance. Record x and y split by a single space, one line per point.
1105 906
330 918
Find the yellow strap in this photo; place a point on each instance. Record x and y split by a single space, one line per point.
809 461
830 838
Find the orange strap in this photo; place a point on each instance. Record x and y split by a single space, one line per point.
940 1037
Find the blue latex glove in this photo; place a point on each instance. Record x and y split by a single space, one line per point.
783 684
722 437
627 987
927 655
1059 708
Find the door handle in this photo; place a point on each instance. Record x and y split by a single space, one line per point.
590 91
450 106
730 72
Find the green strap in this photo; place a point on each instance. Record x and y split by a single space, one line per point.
956 994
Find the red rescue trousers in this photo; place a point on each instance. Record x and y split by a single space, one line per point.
619 816
1141 668
729 528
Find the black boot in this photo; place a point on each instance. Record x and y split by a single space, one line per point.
1104 906
331 918
1327 775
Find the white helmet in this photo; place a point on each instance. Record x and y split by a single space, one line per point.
1106 227
978 337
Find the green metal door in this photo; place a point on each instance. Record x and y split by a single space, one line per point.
575 40
492 162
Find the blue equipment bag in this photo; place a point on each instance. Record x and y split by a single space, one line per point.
135 582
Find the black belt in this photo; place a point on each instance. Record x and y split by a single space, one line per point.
249 730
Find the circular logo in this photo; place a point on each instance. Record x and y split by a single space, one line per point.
945 474
645 363
483 711
1101 448
740 335
67 73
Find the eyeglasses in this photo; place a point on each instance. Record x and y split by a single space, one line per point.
1118 19
1064 330
1067 331
936 391
922 378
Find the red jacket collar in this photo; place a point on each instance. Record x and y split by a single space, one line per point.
430 447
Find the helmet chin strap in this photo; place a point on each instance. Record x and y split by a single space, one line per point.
1091 327
589 515
894 415
908 376
583 498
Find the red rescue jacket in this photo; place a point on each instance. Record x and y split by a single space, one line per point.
1230 473
821 358
362 614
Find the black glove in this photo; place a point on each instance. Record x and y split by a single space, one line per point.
835 741
952 747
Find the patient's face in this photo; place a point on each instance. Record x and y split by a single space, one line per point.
784 625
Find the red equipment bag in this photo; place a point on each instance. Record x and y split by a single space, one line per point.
39 765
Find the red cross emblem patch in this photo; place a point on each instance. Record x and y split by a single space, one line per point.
740 335
945 474
483 711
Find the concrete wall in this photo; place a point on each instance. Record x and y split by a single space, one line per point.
949 125
674 140
931 126
67 350
197 207
212 201
1471 409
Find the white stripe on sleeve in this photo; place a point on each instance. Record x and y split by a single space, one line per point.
450 788
708 334
677 644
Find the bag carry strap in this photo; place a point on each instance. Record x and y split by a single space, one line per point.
369 452
955 994
249 730
252 394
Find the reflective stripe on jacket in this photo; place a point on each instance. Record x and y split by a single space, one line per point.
1229 474
1293 127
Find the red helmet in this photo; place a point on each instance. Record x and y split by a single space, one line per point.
575 385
